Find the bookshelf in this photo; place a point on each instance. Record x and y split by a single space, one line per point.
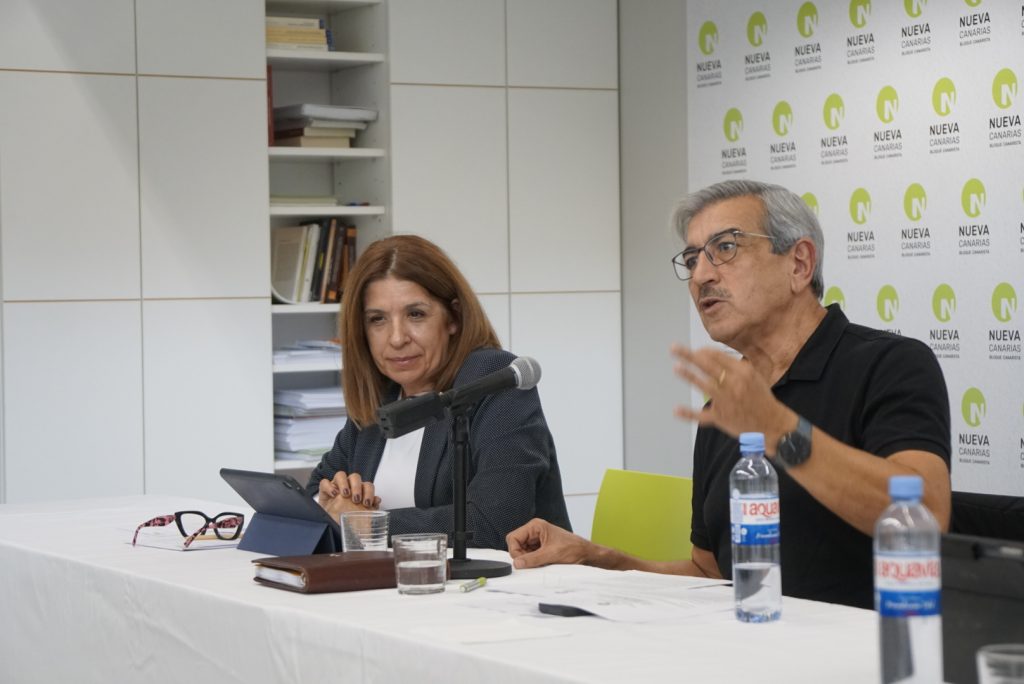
353 74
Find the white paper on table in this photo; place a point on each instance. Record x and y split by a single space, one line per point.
629 596
168 537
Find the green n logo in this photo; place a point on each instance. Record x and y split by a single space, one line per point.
707 37
944 303
972 406
915 201
860 206
782 118
757 29
1004 302
807 19
1004 88
835 296
972 198
887 303
887 104
860 10
913 8
733 124
943 97
834 111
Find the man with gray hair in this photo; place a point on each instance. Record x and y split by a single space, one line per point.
842 407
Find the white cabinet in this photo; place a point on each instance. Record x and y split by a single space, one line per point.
352 74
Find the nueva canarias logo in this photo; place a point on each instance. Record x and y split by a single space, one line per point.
944 96
1004 302
972 3
887 104
807 19
860 206
757 29
707 37
943 303
834 295
834 111
733 124
782 118
915 201
860 10
914 8
811 201
1004 88
972 406
887 303
972 198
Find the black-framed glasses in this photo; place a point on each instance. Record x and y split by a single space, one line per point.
192 524
720 249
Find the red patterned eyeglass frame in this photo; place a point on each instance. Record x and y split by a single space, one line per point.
216 523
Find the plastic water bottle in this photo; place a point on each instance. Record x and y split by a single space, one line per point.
754 513
907 586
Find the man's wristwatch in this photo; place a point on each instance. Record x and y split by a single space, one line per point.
795 447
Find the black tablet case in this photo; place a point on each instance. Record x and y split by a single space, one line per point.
287 522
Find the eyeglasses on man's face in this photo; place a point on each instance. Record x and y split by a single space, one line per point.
192 524
720 249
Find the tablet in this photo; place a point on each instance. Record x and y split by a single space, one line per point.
279 495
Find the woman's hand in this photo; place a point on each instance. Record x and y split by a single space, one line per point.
347 493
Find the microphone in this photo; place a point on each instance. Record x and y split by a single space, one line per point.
405 415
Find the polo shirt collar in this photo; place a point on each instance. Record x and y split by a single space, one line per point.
810 362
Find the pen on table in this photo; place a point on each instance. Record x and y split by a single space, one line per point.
473 584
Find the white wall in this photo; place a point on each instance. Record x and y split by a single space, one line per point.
505 152
133 247
655 305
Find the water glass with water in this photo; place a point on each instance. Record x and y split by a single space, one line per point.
421 562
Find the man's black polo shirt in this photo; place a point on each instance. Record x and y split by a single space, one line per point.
873 390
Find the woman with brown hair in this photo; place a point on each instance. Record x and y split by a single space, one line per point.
411 324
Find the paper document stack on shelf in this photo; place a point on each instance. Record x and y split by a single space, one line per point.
308 355
317 125
306 421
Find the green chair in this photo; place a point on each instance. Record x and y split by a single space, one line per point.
644 514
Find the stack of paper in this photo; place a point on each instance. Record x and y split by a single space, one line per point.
306 421
308 355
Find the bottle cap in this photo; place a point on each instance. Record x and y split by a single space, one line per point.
751 441
905 487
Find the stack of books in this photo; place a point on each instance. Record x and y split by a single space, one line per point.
316 125
306 421
309 262
298 33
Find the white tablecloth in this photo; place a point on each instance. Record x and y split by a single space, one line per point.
79 604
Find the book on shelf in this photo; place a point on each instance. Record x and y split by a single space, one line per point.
298 47
309 141
325 111
332 233
310 250
296 22
312 122
312 132
287 258
333 292
296 35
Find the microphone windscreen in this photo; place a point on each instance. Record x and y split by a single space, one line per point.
527 371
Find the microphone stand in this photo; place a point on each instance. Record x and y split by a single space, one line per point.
462 567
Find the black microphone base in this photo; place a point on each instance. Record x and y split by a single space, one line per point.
468 568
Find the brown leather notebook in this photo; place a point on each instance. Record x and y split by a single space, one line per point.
328 572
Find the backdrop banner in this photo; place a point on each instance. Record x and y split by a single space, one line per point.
900 123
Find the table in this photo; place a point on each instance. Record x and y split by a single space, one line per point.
78 603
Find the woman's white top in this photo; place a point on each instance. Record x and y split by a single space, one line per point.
395 481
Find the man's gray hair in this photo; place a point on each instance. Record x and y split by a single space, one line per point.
787 218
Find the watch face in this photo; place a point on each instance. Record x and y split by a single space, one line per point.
795 447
